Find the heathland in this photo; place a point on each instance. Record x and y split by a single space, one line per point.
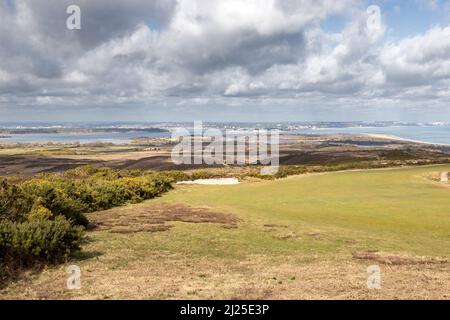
307 234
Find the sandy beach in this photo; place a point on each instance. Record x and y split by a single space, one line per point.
390 137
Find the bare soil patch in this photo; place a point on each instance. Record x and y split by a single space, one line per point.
154 218
396 260
275 226
280 232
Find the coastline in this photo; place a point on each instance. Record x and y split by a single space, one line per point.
396 138
124 141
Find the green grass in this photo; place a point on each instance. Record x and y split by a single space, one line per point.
321 220
395 210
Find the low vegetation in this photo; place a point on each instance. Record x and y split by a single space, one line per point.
303 237
42 219
23 244
335 218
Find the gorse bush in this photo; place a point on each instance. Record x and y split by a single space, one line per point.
42 219
14 202
175 176
42 240
39 212
88 189
59 196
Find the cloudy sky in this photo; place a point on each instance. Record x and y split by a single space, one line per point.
225 60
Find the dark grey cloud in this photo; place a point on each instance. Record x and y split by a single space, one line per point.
246 49
101 20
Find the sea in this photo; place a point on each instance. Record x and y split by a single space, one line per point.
80 137
436 134
427 134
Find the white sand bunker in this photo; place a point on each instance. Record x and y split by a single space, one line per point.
221 181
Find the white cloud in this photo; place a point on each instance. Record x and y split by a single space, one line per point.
138 50
420 60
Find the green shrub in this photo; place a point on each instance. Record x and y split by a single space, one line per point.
42 240
59 196
93 190
285 171
42 219
174 176
258 175
202 174
39 212
159 184
80 172
14 203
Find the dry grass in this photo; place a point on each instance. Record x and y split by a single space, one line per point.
144 218
389 259
159 275
115 156
299 238
117 266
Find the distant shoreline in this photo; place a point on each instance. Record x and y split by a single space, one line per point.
126 137
396 138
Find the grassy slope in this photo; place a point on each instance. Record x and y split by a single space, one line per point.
321 220
390 210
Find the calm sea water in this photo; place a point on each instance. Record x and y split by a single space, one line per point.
106 137
431 134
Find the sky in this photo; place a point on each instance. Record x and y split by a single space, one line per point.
225 60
